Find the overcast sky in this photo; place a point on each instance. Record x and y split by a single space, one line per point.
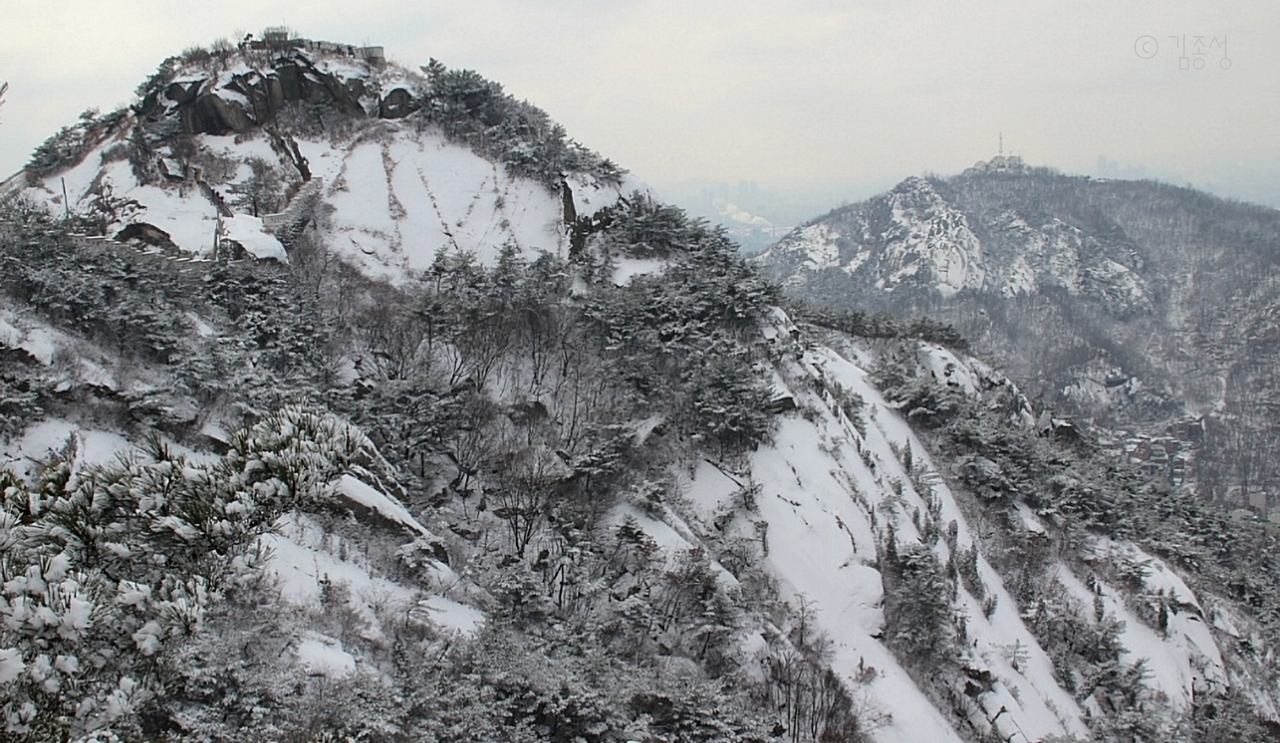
782 92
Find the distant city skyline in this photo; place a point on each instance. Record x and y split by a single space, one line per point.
792 95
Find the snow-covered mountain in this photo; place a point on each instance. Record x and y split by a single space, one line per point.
913 237
247 143
343 402
1141 307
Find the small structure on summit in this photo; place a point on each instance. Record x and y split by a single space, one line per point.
276 34
283 37
1001 163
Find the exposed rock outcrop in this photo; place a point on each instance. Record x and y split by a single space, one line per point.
398 104
146 234
254 99
209 114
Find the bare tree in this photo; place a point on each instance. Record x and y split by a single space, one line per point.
523 491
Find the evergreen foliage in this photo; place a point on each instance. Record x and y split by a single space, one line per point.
503 391
917 613
108 569
863 324
500 128
70 145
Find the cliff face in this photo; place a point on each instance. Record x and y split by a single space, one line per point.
247 98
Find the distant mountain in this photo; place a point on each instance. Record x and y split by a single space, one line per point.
756 215
1145 309
343 402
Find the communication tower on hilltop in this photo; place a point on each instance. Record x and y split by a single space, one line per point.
1003 162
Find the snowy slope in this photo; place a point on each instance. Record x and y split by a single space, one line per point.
394 192
397 203
830 497
391 204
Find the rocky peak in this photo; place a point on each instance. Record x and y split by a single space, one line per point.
235 90
222 145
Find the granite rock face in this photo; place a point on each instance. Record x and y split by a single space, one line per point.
254 99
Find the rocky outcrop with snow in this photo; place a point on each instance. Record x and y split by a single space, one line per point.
387 165
915 238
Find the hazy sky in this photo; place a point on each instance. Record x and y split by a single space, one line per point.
783 92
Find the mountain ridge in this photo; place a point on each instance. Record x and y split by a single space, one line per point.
1115 302
586 481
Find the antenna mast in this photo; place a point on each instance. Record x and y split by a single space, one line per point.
1001 144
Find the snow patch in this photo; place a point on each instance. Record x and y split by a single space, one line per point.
629 268
248 232
320 655
10 337
40 343
303 566
202 328
451 615
376 500
48 437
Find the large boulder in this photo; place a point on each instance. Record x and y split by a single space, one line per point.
274 94
143 233
182 93
344 99
398 104
292 82
357 88
265 94
301 83
212 115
